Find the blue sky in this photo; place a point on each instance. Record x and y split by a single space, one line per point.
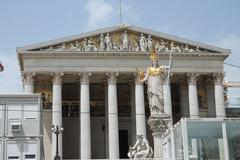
27 22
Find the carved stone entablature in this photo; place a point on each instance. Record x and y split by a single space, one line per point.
218 78
192 78
57 77
112 77
28 77
84 77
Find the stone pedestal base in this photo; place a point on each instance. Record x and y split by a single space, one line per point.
158 125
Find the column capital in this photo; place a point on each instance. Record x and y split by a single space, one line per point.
192 78
84 77
218 78
57 77
137 78
28 77
112 77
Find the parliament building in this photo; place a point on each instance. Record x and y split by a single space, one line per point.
90 87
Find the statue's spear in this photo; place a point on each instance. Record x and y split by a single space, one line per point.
169 67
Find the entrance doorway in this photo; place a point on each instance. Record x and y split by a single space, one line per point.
123 143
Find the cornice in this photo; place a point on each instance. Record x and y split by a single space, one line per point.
118 53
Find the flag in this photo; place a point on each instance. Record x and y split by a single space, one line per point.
1 67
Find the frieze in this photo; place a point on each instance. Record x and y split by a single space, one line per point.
115 53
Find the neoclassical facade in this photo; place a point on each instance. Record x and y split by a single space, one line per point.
90 87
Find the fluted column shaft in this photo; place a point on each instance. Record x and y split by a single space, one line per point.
57 110
219 94
85 129
28 78
192 94
113 116
140 107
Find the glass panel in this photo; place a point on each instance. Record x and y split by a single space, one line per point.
178 142
13 151
30 151
14 111
2 106
205 140
30 111
233 136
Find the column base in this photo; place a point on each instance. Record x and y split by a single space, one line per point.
158 124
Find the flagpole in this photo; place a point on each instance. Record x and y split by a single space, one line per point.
120 10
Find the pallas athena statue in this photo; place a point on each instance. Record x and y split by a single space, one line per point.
154 79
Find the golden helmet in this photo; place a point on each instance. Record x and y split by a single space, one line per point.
154 56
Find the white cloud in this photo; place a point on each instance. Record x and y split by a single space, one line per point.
10 78
99 13
102 14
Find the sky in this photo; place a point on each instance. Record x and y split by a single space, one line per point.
28 22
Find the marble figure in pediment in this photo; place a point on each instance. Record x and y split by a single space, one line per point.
102 44
142 43
125 41
149 43
108 42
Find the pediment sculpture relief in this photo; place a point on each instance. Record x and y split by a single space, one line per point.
124 41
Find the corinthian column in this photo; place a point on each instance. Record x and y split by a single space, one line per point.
85 117
113 116
140 107
28 78
192 94
219 95
57 110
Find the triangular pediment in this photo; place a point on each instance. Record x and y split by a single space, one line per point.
123 38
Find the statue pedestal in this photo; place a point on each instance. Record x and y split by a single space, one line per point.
158 124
